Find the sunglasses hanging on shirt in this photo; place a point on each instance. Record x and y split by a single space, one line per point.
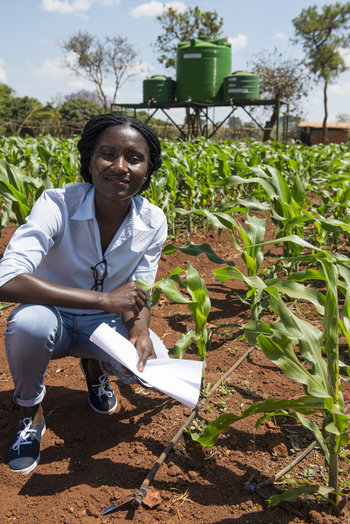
100 272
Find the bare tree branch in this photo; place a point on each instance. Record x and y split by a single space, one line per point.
93 60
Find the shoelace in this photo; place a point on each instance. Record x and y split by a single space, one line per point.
24 434
103 388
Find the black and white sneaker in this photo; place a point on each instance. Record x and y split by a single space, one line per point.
24 454
101 396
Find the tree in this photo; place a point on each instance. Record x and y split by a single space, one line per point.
144 117
79 110
234 121
84 93
181 27
343 117
26 115
23 107
281 78
5 100
94 60
323 35
75 111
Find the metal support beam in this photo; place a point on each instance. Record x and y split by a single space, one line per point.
251 116
221 123
203 107
278 119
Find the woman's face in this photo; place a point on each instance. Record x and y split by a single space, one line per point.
119 163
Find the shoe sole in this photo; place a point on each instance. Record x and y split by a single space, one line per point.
104 412
28 470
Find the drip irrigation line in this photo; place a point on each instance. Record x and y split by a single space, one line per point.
306 451
254 488
249 486
280 474
136 500
161 458
7 305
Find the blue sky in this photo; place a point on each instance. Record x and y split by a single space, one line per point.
30 58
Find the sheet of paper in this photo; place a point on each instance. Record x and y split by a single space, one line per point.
180 379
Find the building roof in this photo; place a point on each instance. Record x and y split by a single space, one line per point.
319 125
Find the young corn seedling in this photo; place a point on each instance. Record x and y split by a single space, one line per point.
321 383
18 193
198 303
284 200
251 252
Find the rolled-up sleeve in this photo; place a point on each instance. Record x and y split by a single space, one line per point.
32 240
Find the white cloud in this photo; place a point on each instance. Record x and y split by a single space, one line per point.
79 7
3 77
315 100
280 36
237 43
51 69
56 6
339 90
77 85
155 8
125 96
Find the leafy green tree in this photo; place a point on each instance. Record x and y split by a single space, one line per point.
22 108
44 119
323 35
79 110
24 115
5 100
281 78
76 111
181 27
95 60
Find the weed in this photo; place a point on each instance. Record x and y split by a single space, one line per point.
206 390
197 427
252 393
294 439
226 389
221 404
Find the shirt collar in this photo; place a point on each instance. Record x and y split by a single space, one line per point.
135 215
86 211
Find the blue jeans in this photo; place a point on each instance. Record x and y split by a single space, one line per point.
36 334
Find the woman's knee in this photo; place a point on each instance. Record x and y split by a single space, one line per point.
32 325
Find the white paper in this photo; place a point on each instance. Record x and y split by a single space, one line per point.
180 379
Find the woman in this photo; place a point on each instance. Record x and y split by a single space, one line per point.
73 265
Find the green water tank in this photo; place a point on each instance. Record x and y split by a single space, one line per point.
160 88
201 67
121 111
241 85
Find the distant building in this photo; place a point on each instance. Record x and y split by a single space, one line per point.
311 132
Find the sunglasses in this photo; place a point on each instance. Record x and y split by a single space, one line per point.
100 272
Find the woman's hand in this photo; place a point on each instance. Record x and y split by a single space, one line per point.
129 297
144 347
28 289
138 330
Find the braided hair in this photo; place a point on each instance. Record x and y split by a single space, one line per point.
100 123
